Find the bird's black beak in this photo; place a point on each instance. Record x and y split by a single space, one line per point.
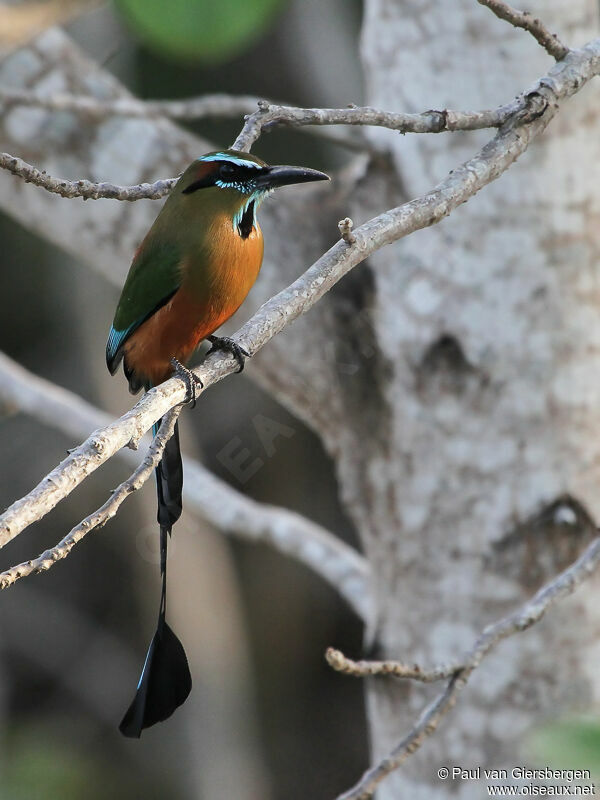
273 177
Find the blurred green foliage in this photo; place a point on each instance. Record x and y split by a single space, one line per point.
572 743
41 765
206 31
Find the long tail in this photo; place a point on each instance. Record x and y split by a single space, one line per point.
165 681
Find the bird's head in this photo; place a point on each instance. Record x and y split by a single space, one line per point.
237 182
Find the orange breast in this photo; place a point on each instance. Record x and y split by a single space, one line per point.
210 294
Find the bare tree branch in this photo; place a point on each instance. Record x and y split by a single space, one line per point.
100 517
269 116
101 445
524 19
84 188
563 585
222 506
364 669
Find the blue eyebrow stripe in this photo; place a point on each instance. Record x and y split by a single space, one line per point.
240 162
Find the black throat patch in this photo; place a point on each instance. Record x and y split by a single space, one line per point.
247 221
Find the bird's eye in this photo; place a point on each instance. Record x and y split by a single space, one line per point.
226 170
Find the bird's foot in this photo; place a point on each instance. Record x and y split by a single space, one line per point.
230 346
192 382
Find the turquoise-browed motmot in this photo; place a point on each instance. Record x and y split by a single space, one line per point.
192 271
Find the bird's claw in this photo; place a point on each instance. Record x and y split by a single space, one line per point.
192 382
230 346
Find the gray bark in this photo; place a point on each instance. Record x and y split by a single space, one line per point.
488 481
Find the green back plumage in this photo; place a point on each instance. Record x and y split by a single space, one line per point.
153 277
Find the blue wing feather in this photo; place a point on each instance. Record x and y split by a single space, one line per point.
116 339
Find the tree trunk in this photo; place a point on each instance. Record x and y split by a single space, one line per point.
481 470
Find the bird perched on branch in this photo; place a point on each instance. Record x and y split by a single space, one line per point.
192 271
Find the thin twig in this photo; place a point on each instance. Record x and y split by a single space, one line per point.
83 188
102 515
268 116
364 669
524 19
518 621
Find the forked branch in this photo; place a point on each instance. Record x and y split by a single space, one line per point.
102 515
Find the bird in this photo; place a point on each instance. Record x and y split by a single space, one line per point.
190 274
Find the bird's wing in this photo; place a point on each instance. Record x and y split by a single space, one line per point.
154 277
